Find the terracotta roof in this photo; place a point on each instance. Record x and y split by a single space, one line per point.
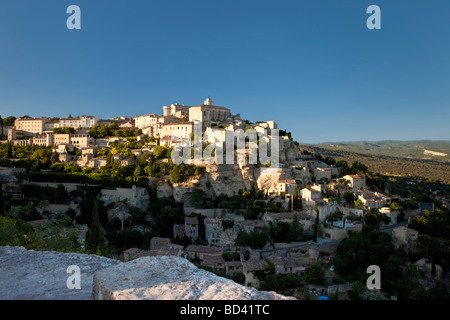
355 176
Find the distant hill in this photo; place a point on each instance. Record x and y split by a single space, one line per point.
423 150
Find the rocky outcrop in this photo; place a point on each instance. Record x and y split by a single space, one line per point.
228 179
42 275
169 278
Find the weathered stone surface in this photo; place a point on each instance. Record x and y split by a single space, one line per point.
168 278
42 275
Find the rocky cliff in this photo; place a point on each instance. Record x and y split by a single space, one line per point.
42 275
28 274
169 278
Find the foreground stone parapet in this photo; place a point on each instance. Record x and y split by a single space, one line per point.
42 275
169 278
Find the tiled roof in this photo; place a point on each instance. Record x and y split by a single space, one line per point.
203 249
253 265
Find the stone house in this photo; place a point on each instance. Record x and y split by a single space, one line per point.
191 227
310 194
233 267
322 173
249 268
305 218
283 264
286 186
404 238
357 182
193 251
157 243
373 199
216 262
212 230
249 226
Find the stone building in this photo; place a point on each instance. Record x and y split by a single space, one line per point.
357 182
404 238
191 227
212 230
208 113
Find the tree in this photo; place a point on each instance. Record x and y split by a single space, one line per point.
178 174
138 171
198 197
357 289
295 230
160 152
316 226
95 238
395 206
314 274
428 247
9 121
54 158
9 150
349 197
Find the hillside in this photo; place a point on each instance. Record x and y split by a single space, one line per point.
390 165
422 150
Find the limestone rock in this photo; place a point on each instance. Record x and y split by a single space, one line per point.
169 278
42 275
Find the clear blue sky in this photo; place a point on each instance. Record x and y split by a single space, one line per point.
310 65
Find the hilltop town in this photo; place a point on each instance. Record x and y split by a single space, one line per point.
301 224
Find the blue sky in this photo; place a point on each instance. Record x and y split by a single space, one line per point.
310 65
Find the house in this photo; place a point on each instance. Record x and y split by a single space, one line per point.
157 243
286 186
249 268
97 162
200 252
216 262
124 161
373 199
191 227
310 194
322 173
212 230
233 267
304 218
130 253
178 230
126 125
283 264
249 226
356 181
171 250
404 238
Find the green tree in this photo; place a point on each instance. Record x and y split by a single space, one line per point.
95 238
316 226
178 174
357 289
138 172
428 247
314 274
9 121
9 153
295 231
